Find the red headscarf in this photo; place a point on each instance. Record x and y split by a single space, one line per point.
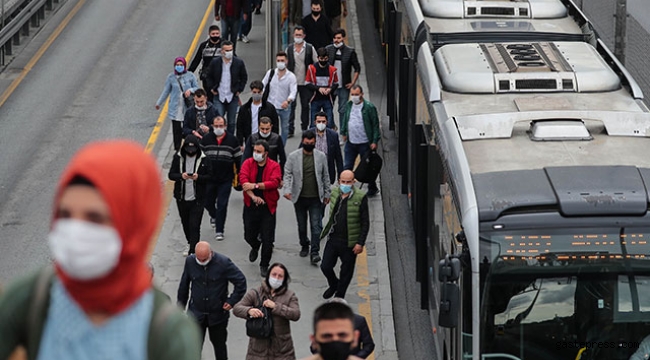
129 182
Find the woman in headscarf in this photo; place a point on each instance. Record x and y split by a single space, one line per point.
97 300
179 86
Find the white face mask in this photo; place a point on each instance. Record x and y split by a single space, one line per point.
298 40
356 99
219 131
228 54
275 283
265 135
281 65
321 126
258 157
338 45
204 107
84 250
203 263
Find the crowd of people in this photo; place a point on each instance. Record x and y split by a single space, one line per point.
106 208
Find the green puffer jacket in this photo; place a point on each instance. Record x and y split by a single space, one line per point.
354 215
24 306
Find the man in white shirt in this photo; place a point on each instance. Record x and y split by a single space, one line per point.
229 77
280 88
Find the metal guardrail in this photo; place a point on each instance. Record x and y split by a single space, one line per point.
17 19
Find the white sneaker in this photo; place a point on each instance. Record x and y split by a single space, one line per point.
185 253
219 237
245 39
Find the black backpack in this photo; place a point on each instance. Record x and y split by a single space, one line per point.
369 167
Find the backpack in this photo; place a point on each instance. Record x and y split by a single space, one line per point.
369 167
37 314
267 87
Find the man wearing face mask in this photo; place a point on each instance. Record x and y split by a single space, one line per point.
260 178
327 141
209 303
250 113
322 80
334 337
197 118
228 77
344 59
307 186
191 171
347 229
276 147
360 130
281 88
224 152
318 30
97 301
300 54
207 51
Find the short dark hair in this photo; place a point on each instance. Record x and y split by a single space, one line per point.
213 28
308 134
317 2
218 117
257 84
321 113
339 31
265 120
262 143
321 52
332 311
226 43
281 53
299 28
357 86
200 92
287 278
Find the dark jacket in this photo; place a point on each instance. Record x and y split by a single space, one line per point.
318 33
280 345
349 60
276 148
309 57
366 343
206 52
332 8
222 156
245 116
370 121
210 288
201 167
334 156
238 6
238 74
189 122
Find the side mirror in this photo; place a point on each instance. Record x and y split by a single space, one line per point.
449 269
449 305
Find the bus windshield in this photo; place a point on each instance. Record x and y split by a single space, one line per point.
565 294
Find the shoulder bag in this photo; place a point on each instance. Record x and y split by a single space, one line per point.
260 328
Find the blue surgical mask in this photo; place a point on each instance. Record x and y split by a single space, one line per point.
179 68
345 188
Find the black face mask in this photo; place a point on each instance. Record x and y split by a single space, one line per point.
191 151
335 350
308 147
323 63
215 39
315 13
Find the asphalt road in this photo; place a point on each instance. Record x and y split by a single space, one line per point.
99 79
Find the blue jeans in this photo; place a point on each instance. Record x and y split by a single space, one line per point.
246 26
230 29
313 208
228 111
343 95
316 106
284 115
350 153
218 194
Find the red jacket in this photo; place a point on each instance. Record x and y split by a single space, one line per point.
311 80
271 178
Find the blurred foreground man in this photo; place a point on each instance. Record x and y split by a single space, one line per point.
334 337
97 300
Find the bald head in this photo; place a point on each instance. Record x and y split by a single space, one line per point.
203 251
347 176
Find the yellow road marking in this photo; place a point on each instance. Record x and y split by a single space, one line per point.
30 65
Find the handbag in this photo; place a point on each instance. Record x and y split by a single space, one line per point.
189 102
260 328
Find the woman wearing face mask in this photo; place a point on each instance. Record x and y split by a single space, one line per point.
97 301
179 87
275 295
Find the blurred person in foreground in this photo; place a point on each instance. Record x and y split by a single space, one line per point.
97 300
274 294
334 337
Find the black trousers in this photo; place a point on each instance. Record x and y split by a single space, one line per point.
191 213
305 95
258 220
218 336
177 132
335 249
